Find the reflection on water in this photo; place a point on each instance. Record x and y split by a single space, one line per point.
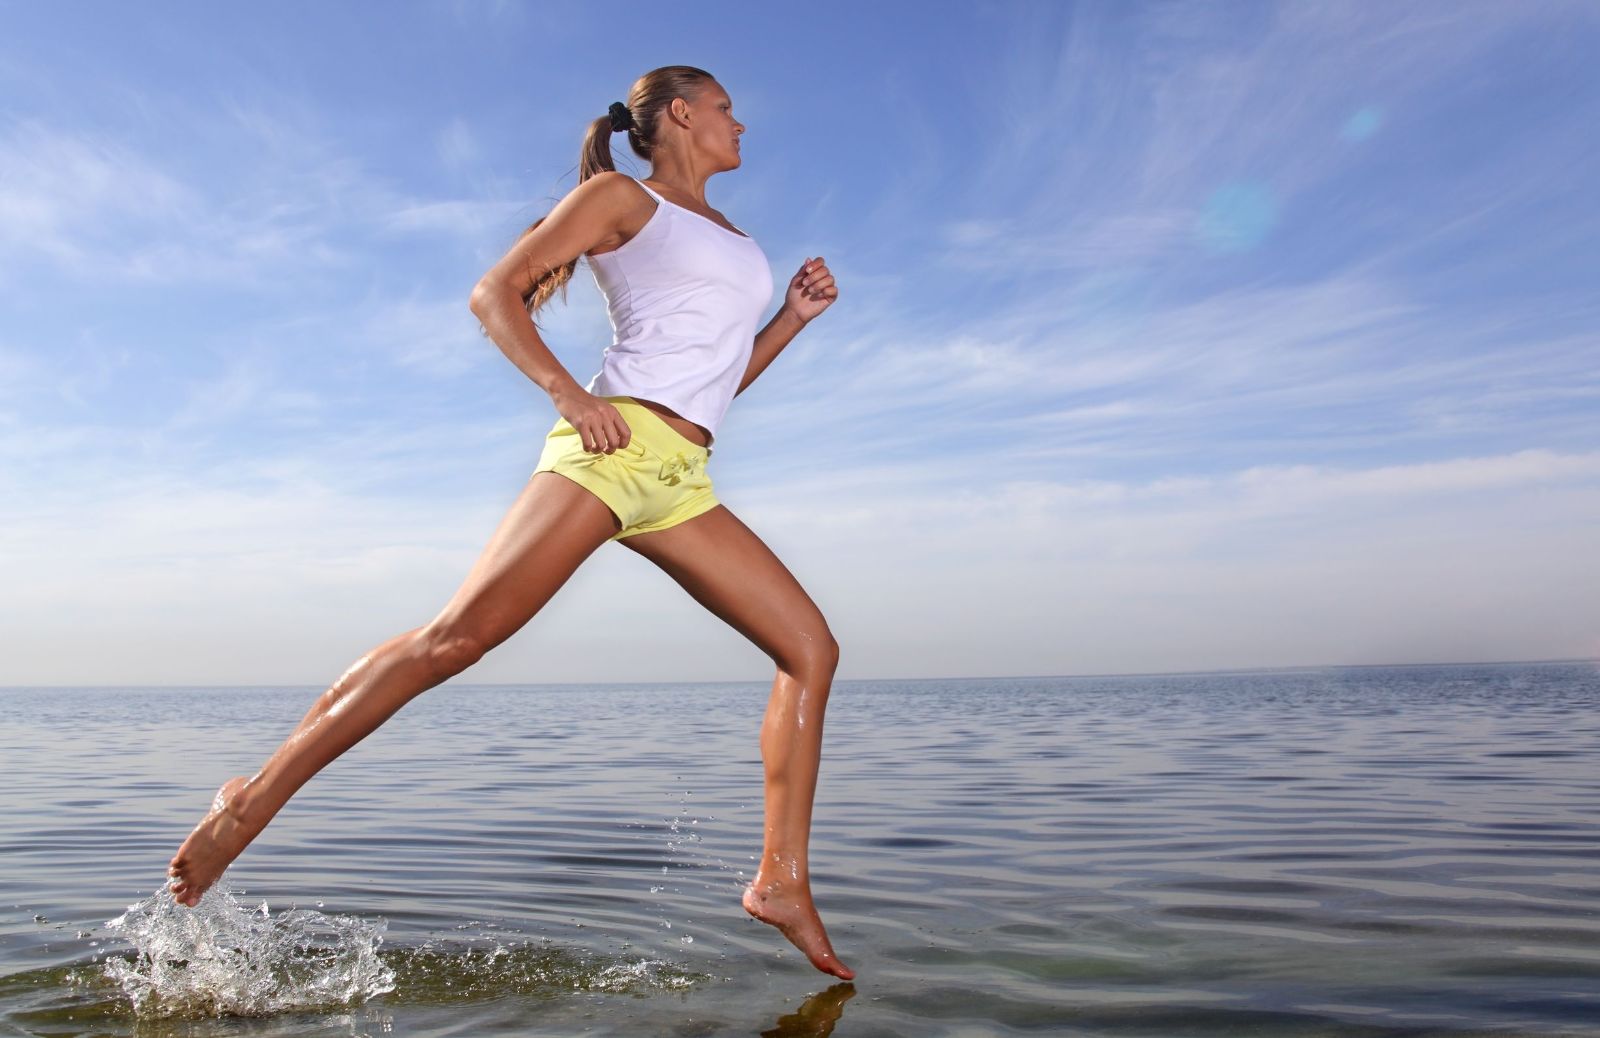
269 975
816 1017
1341 852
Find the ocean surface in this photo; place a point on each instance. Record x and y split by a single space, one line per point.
1375 851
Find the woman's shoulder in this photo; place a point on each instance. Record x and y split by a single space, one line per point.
614 193
615 183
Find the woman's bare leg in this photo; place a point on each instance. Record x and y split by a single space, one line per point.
551 528
729 570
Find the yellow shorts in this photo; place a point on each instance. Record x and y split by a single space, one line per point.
657 481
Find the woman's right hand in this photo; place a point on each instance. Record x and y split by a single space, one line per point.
599 423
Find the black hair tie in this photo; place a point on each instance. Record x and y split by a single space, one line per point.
621 118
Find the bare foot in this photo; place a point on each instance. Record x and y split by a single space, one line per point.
213 845
788 906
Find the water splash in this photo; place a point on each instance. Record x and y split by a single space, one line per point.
223 958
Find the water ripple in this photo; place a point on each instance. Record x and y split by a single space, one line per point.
1371 851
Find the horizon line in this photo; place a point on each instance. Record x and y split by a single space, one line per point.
959 677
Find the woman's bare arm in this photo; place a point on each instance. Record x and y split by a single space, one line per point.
590 215
593 214
770 342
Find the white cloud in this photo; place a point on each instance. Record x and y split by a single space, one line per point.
1302 487
240 386
1469 558
457 145
61 193
471 219
281 205
435 338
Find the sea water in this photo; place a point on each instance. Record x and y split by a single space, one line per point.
1340 851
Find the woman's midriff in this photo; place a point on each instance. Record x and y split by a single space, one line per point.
689 430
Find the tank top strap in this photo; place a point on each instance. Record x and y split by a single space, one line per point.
651 193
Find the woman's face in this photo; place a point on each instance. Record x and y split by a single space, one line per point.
715 128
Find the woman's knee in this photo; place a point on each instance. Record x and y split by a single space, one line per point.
814 652
831 649
449 649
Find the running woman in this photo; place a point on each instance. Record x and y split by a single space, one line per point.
625 462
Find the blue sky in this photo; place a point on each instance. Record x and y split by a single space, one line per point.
1170 336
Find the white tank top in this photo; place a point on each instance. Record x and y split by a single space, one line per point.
684 296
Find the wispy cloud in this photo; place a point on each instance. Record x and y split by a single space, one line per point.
293 205
467 219
1329 369
436 338
61 193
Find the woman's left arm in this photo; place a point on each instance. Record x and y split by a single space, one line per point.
811 291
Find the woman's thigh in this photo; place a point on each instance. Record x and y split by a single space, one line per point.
553 525
728 569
